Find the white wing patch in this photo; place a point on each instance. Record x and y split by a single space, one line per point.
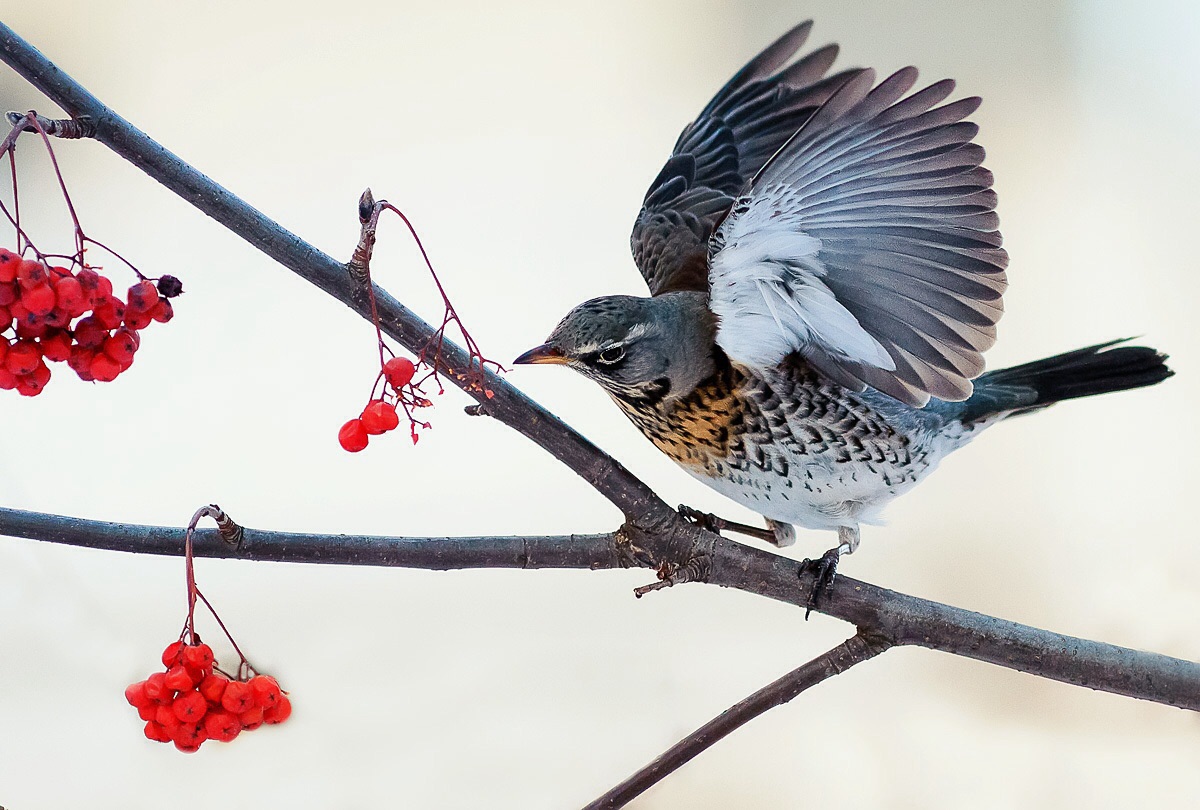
766 290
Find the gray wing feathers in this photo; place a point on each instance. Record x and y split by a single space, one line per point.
893 190
745 123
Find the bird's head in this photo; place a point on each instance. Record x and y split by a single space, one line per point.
635 348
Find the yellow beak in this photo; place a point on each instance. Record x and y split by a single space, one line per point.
542 354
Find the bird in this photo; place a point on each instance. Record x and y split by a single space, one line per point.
825 269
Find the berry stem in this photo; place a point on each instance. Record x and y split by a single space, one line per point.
223 522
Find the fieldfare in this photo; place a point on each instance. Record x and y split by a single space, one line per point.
825 273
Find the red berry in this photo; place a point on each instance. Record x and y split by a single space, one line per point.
80 362
28 386
379 417
110 312
39 300
162 311
120 347
164 715
104 368
56 346
172 653
281 711
90 333
213 687
252 718
190 707
156 688
142 296
137 319
89 280
266 690
188 736
58 318
157 732
238 697
399 371
222 726
178 679
30 326
9 292
148 712
69 296
8 380
199 656
32 274
9 263
135 693
23 357
352 436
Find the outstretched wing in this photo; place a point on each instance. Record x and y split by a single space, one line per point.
716 156
867 244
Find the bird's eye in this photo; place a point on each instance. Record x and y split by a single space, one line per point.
611 355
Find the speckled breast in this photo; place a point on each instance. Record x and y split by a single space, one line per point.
796 447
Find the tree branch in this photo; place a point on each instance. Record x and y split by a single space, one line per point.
895 617
508 405
853 650
588 551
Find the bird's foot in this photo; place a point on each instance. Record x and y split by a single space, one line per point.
778 534
823 570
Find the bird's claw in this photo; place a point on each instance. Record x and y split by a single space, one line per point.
823 570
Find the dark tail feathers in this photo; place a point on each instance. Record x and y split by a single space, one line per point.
1096 369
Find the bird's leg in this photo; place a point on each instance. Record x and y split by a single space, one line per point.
785 533
717 524
825 568
848 539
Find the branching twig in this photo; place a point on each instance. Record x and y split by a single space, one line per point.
853 650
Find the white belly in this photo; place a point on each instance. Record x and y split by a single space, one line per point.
819 492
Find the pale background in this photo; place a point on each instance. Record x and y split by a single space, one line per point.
520 140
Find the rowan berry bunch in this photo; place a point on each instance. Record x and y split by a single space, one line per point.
398 386
56 308
192 701
60 316
381 413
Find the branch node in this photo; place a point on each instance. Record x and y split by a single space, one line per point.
82 127
694 570
230 532
368 216
629 553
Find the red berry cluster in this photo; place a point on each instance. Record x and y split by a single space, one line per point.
379 416
61 316
190 702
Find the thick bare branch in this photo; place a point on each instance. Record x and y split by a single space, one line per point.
508 405
588 551
895 617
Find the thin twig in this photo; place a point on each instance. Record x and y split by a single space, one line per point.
854 650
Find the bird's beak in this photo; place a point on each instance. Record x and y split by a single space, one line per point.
542 354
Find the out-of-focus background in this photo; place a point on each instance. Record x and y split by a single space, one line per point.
520 139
